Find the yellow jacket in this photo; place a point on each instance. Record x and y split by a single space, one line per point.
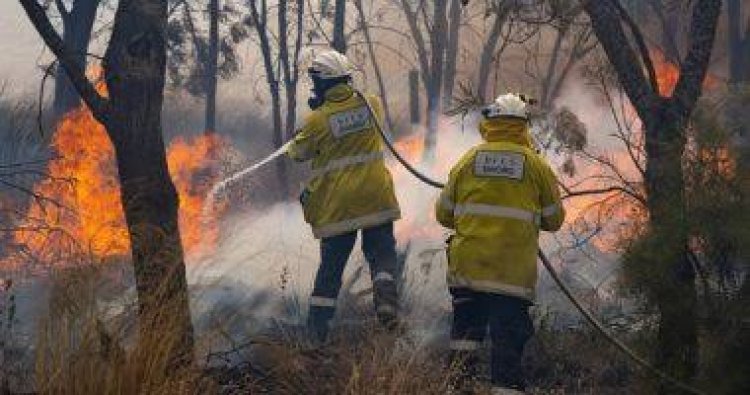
497 198
350 187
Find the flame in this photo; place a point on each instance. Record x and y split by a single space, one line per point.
193 173
411 147
82 185
417 199
84 210
624 216
668 74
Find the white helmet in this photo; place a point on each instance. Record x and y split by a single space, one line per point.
507 105
331 64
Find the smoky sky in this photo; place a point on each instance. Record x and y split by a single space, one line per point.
20 49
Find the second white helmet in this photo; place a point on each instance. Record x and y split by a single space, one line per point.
331 64
507 105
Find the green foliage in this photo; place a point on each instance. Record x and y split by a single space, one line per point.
720 211
189 46
715 223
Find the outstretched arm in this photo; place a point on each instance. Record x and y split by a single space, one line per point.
304 144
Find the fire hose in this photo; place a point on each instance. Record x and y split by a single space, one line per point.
593 321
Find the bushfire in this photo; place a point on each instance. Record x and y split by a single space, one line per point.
83 213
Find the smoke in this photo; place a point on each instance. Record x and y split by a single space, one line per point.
272 252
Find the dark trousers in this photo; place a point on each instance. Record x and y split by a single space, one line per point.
510 328
379 247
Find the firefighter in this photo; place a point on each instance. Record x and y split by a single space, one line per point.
350 189
498 197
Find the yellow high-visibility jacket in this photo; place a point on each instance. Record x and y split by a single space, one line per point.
350 187
497 198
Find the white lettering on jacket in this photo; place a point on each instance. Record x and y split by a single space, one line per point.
507 164
349 121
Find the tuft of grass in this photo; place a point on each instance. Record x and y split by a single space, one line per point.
84 348
362 360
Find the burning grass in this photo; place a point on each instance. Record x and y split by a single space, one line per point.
82 211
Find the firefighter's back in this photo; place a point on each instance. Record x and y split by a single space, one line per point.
501 193
350 187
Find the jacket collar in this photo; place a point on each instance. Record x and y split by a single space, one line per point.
339 93
508 130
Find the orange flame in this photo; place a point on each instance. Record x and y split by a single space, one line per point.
668 74
87 212
411 147
192 171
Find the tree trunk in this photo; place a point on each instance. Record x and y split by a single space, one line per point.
546 99
375 64
414 109
669 19
487 57
672 282
135 65
134 69
77 27
739 76
290 88
739 44
739 82
339 26
212 66
675 294
433 122
451 53
260 21
290 71
434 81
278 139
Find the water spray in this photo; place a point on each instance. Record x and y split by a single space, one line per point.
222 185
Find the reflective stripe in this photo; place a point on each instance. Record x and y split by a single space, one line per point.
386 309
461 300
465 345
505 391
362 222
550 210
496 211
492 286
383 276
340 163
321 301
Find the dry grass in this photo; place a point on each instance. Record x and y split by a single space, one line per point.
85 348
82 348
578 361
362 360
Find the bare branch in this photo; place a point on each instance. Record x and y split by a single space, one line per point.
658 8
375 65
62 10
570 194
411 20
605 19
99 105
642 47
694 68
